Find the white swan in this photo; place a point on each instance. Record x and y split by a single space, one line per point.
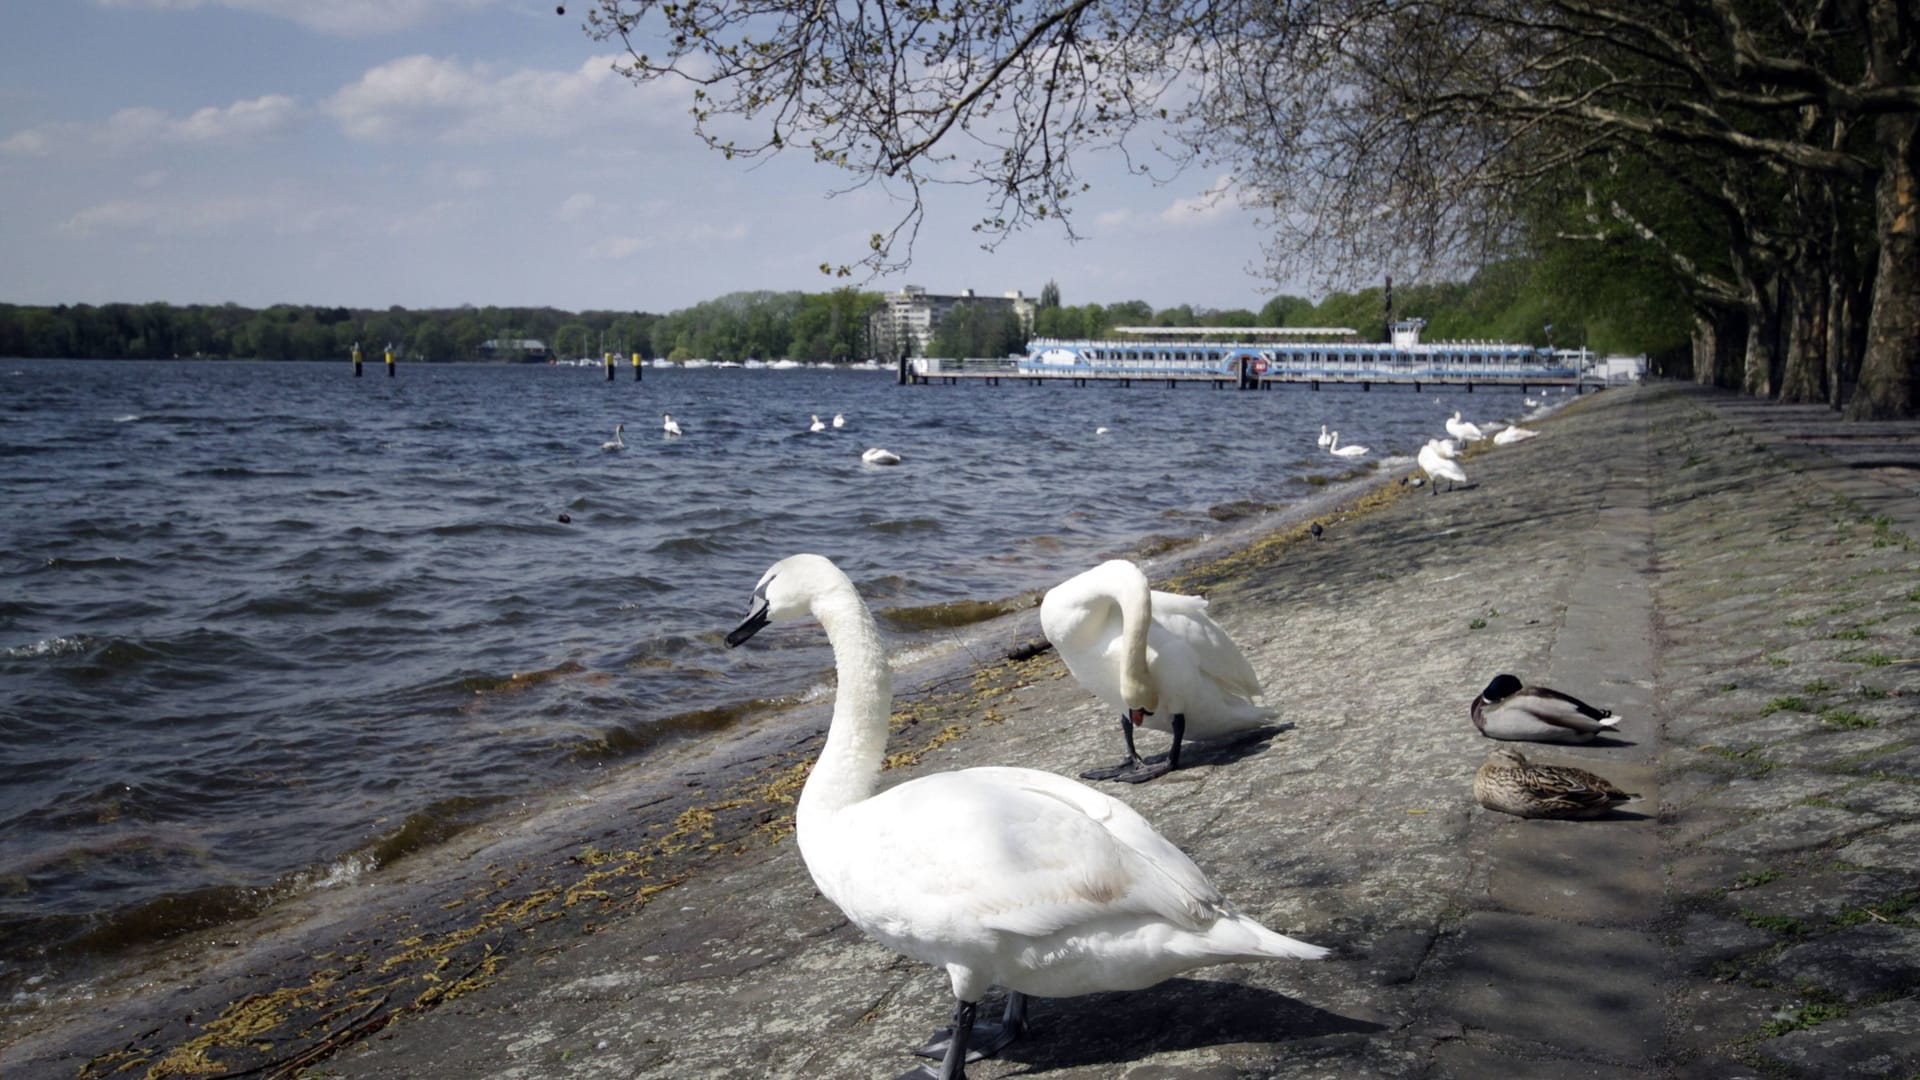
876 456
1463 430
839 420
615 443
1436 460
817 424
1513 435
1325 439
668 424
1005 877
1334 448
1157 658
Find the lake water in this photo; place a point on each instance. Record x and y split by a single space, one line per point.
264 626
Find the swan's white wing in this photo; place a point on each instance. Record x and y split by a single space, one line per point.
1181 625
1027 852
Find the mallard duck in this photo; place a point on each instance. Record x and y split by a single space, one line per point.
1508 710
1157 658
997 876
1511 784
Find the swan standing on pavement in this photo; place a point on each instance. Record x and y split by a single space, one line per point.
1155 657
1513 435
1007 877
1436 460
1464 430
668 424
1334 448
817 424
615 443
1325 439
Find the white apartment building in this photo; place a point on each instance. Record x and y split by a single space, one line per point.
904 325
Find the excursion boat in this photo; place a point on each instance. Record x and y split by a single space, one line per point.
1301 355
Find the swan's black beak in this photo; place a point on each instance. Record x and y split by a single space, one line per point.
755 619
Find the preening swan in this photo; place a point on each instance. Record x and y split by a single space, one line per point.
1463 430
1005 877
1334 448
839 420
615 443
668 424
1325 439
817 424
1436 460
1513 435
877 456
1506 709
1156 658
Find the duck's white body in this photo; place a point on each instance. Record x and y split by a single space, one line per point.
1334 447
1464 430
1436 460
668 424
1151 656
1513 435
1000 876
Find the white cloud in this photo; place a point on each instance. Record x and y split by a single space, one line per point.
32 142
345 18
577 205
143 125
432 97
277 214
1210 205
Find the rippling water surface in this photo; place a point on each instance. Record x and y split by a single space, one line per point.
263 626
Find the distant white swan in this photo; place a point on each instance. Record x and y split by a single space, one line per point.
877 456
1101 430
817 424
1513 435
668 424
615 443
1156 658
1325 439
839 420
1463 430
1008 877
1334 448
1436 460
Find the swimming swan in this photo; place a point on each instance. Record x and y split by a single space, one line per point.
668 424
878 456
615 443
1157 658
999 876
1464 430
1334 448
1325 439
817 424
1436 460
839 420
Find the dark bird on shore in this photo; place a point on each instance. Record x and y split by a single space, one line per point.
996 876
1506 709
1317 531
1511 784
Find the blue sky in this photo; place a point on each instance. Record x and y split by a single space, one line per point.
432 153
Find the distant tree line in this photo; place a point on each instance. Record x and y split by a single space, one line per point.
803 326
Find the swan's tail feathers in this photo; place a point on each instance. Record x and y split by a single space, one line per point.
1248 938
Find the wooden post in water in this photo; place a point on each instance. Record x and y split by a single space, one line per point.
389 360
356 359
636 367
608 358
900 379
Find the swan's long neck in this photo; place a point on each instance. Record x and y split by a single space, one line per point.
849 764
1135 600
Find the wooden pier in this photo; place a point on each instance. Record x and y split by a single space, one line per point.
993 372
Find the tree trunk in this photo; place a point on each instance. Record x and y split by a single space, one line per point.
1763 340
1719 334
1803 379
1890 368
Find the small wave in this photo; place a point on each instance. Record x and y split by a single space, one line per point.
950 614
908 525
626 740
127 419
1239 509
60 646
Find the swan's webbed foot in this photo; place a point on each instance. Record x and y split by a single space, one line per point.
1123 770
987 1038
1142 774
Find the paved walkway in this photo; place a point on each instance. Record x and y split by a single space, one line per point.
1737 580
